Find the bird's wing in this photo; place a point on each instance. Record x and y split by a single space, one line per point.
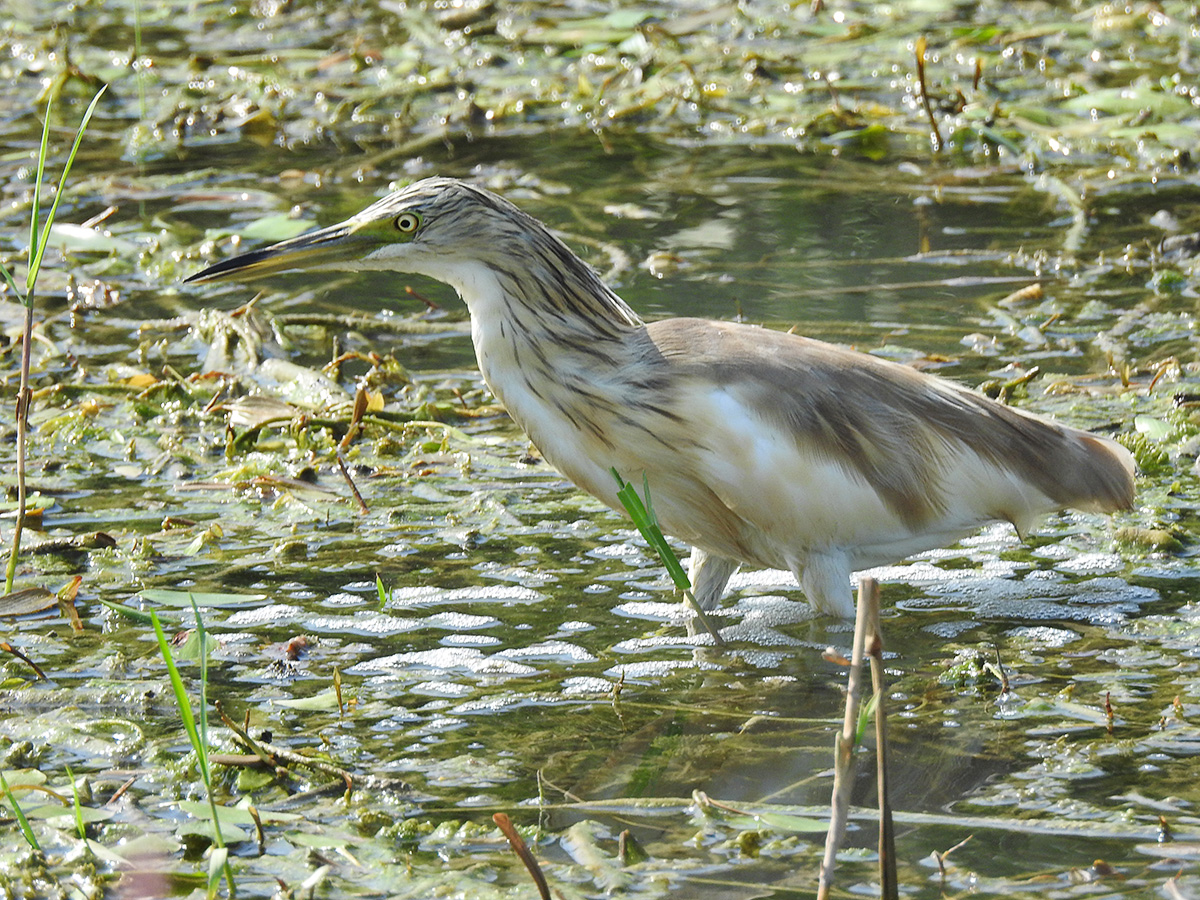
891 441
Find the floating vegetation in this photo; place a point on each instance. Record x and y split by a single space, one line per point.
414 626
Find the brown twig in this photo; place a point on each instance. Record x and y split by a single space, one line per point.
259 834
504 823
276 757
572 798
429 303
9 648
935 135
889 886
24 398
66 603
361 401
843 755
1162 370
362 504
1001 672
942 857
263 756
120 792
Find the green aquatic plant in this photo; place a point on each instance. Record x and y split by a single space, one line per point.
196 727
39 235
19 814
646 522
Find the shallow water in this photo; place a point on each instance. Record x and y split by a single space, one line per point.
529 656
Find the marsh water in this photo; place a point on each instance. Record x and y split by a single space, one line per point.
484 638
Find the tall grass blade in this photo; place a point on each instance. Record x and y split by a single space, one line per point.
37 248
35 212
36 253
12 284
197 732
26 831
202 720
182 700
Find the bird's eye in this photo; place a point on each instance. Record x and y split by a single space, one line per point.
407 223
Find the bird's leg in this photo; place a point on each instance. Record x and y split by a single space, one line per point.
709 574
825 580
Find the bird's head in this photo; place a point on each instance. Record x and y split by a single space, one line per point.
459 234
424 229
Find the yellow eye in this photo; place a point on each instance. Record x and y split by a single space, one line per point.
407 223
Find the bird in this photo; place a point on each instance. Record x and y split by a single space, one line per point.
760 447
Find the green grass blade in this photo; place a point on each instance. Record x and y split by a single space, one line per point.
8 277
649 502
181 698
35 260
647 525
197 733
218 865
36 208
134 615
78 809
866 712
385 594
202 636
26 831
36 250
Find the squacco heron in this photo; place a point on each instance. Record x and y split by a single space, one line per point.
759 447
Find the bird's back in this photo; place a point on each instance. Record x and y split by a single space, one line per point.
817 444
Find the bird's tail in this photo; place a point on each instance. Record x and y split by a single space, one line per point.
1098 475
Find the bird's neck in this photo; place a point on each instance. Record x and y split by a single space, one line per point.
526 318
557 364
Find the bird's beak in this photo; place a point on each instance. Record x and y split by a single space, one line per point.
326 248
